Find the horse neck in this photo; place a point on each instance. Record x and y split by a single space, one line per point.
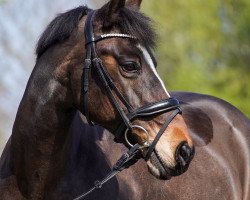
42 125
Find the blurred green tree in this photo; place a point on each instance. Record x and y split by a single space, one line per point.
204 46
3 1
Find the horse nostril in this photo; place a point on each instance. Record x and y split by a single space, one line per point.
183 154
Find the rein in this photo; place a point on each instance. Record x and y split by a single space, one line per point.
93 62
126 160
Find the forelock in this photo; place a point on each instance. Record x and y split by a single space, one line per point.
135 23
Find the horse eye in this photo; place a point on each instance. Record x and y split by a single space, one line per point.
130 67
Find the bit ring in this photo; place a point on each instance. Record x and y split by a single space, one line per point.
145 144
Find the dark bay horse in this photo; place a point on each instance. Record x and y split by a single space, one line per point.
54 154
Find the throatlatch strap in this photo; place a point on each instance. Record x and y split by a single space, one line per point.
87 66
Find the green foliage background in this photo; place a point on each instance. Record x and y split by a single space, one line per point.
204 46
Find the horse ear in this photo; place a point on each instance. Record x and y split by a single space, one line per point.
135 4
110 11
115 6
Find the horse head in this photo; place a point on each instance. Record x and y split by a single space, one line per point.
114 83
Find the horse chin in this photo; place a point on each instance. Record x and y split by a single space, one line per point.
156 168
161 171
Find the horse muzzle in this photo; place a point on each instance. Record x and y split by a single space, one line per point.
159 166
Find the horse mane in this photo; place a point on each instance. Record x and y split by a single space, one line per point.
60 28
129 21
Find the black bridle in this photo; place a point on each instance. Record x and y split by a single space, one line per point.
93 62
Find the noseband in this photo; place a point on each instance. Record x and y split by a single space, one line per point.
93 62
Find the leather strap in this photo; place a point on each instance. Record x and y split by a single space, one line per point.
159 134
98 67
87 65
110 35
93 60
125 161
155 108
152 109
